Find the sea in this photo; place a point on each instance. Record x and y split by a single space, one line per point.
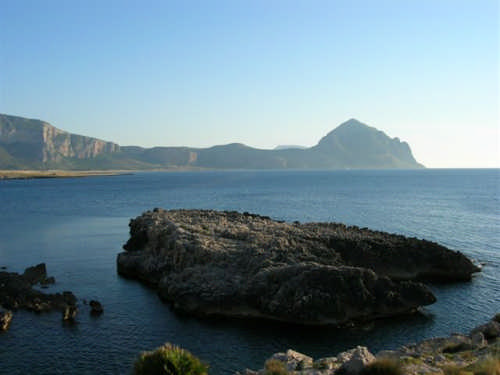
77 226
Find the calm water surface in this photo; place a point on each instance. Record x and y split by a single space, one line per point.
77 227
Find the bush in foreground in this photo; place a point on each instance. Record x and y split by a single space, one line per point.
489 365
383 367
169 360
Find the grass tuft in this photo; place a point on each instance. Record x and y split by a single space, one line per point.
487 366
275 367
383 366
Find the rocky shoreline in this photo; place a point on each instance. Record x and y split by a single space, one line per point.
207 263
17 292
457 354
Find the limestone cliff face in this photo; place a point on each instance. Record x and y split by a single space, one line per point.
58 143
35 141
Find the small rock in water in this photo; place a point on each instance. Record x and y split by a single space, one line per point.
69 313
96 307
5 319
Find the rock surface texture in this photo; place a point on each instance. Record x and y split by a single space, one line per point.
232 264
456 354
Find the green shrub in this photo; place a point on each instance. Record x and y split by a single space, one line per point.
497 317
169 360
275 367
383 366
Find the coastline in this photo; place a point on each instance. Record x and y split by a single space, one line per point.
56 173
473 353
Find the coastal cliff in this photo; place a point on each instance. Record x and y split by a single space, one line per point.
37 144
227 263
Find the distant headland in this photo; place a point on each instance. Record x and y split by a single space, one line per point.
29 144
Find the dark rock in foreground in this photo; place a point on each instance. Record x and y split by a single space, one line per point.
16 292
232 264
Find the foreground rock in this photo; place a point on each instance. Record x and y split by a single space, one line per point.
456 354
17 292
227 263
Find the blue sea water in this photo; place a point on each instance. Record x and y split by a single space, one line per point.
78 225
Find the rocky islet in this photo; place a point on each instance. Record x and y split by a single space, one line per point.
207 262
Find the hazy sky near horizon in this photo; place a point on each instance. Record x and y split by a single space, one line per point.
260 72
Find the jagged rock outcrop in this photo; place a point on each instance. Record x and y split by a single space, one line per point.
17 292
227 263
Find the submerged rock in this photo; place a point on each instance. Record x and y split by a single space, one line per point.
95 307
69 313
227 263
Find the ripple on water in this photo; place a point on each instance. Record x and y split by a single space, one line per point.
77 226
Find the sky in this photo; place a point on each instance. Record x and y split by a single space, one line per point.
259 72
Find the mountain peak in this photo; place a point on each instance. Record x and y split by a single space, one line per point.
352 121
353 124
354 143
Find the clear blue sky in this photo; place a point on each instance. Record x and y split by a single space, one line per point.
260 72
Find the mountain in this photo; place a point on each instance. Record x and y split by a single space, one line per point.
34 144
287 147
356 145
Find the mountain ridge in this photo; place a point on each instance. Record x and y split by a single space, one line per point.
35 144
